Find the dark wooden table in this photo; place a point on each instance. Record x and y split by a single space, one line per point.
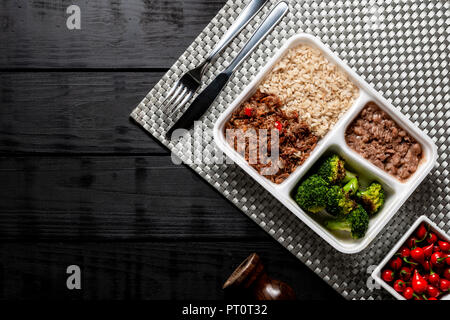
80 183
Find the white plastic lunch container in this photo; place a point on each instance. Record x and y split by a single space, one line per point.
396 191
377 272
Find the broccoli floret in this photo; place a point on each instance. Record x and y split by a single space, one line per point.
372 198
332 169
339 202
311 194
356 222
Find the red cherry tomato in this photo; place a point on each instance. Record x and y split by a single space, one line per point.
278 125
432 238
404 252
248 111
446 273
421 232
408 293
444 285
432 291
405 273
437 259
387 275
426 265
395 263
444 246
399 285
419 284
434 278
417 254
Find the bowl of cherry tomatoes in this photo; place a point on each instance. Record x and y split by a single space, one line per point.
418 266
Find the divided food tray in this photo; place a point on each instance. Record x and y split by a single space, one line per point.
397 192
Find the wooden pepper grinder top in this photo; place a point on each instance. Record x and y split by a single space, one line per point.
250 280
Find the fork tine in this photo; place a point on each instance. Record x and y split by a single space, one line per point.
186 99
183 102
171 91
173 94
180 96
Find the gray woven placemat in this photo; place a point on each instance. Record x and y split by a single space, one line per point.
399 47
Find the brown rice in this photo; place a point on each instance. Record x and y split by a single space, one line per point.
308 83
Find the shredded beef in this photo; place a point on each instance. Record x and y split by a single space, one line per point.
296 141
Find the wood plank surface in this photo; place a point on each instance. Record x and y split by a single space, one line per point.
145 270
74 112
114 33
87 198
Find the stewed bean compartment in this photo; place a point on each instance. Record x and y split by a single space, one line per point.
379 139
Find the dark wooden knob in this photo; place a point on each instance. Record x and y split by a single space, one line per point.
251 281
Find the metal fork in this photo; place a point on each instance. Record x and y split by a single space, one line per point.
184 89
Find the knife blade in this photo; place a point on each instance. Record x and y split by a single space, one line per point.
204 100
